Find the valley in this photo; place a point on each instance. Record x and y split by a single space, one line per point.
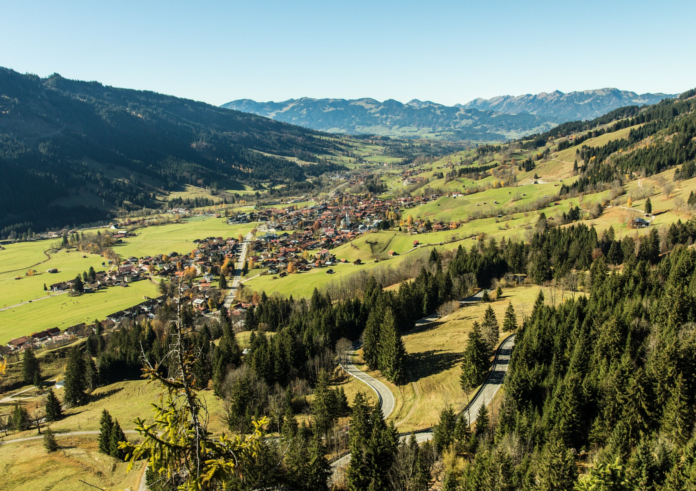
241 291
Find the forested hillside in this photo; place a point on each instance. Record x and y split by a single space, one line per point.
119 148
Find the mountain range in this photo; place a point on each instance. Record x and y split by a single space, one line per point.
498 118
560 107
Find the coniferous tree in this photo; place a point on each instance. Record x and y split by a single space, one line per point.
289 423
371 341
392 351
30 366
75 383
91 373
78 287
489 328
648 206
223 282
20 418
106 424
359 472
482 421
557 470
444 433
37 380
53 409
475 362
510 321
49 440
323 405
116 437
319 467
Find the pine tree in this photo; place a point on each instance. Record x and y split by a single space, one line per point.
78 287
444 433
75 382
223 282
49 440
475 362
510 321
380 451
678 416
557 469
319 468
615 255
30 366
392 351
485 297
462 433
37 380
489 328
498 293
648 206
358 473
323 405
106 424
20 418
116 436
91 373
289 423
53 409
371 341
482 421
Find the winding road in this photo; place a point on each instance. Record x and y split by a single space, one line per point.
484 395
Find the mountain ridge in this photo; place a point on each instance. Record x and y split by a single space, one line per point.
390 117
561 107
497 118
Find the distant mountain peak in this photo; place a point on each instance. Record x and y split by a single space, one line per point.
560 107
496 118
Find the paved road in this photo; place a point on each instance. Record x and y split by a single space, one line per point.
484 395
238 272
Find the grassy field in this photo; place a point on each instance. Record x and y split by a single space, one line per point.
22 255
64 311
178 237
27 466
435 357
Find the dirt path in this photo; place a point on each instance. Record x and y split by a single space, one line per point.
48 258
31 301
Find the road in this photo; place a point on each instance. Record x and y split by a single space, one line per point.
229 299
484 395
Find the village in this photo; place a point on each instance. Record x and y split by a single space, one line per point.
286 241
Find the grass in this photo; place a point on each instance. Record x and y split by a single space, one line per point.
178 237
27 466
435 357
64 311
22 255
125 401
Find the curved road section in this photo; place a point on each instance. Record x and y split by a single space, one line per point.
483 396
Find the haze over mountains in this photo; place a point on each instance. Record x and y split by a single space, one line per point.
498 118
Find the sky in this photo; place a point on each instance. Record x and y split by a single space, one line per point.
444 51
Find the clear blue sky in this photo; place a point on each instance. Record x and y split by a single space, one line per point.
444 51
